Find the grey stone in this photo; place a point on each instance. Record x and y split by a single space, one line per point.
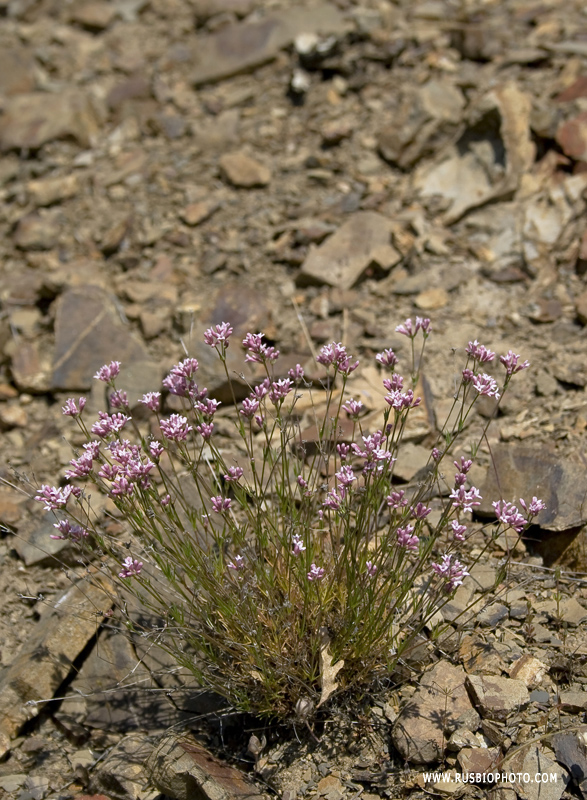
484 164
526 471
440 706
362 242
492 614
533 760
246 45
570 751
46 658
122 773
496 697
88 334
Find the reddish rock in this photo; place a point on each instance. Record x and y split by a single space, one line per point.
574 91
572 137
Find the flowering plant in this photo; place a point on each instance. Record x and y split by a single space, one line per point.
291 572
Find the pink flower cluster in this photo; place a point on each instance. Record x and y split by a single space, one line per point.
410 329
374 453
335 355
453 572
180 380
130 568
218 335
257 351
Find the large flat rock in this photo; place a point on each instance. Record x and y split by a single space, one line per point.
89 333
46 658
439 707
524 471
244 46
31 120
362 242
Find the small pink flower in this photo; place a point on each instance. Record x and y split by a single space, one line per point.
298 546
511 363
220 504
387 358
353 408
237 564
343 451
420 511
397 499
371 569
233 474
486 385
205 430
108 372
458 530
316 573
155 449
479 352
218 335
152 400
71 410
452 571
407 539
130 567
54 497
68 531
464 465
509 515
534 507
296 374
175 428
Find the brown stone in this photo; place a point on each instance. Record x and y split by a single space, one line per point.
136 87
31 120
94 15
198 212
37 231
243 171
47 657
572 137
362 243
581 308
183 769
574 91
432 299
88 334
439 706
245 45
525 471
52 190
30 368
496 697
17 71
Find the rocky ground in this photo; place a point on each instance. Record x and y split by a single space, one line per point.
317 171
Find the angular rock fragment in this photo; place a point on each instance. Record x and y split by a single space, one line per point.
534 761
524 471
572 137
428 115
361 243
31 120
243 171
183 769
440 706
246 45
46 658
488 160
495 697
88 334
571 752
